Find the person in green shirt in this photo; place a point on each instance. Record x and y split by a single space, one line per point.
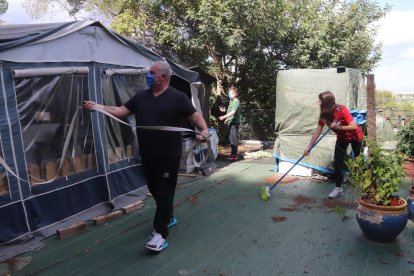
232 119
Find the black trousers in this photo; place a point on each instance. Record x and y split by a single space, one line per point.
161 176
339 157
234 138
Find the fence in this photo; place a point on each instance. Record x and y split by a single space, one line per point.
257 124
397 118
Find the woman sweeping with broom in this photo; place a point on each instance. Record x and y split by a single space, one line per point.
340 120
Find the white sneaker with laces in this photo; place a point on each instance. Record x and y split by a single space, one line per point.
157 243
337 192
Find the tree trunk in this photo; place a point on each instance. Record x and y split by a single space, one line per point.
371 120
219 73
219 87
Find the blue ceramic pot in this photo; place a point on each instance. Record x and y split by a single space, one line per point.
382 223
410 204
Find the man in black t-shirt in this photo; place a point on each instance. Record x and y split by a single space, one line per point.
160 105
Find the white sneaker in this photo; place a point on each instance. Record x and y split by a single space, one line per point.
337 192
157 243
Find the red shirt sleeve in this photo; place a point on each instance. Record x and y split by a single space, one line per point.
344 118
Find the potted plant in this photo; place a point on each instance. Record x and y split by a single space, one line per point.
405 146
377 176
405 141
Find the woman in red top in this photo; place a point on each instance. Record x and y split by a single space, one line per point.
340 120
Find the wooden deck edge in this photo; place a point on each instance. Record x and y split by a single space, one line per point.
191 175
72 230
132 207
107 217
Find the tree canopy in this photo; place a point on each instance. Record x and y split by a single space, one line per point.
4 5
245 42
387 100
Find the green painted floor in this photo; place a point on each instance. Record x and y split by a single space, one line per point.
225 229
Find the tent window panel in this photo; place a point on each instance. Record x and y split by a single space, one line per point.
4 185
121 139
47 106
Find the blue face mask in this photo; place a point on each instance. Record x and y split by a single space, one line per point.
230 97
150 80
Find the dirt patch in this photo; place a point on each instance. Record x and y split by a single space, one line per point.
333 203
302 200
274 178
15 264
288 209
278 218
193 199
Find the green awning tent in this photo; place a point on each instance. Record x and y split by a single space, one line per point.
297 111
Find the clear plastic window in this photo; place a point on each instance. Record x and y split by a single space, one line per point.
47 106
121 139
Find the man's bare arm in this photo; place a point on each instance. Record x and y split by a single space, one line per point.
117 111
199 121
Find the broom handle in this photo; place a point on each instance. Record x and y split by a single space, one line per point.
300 159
